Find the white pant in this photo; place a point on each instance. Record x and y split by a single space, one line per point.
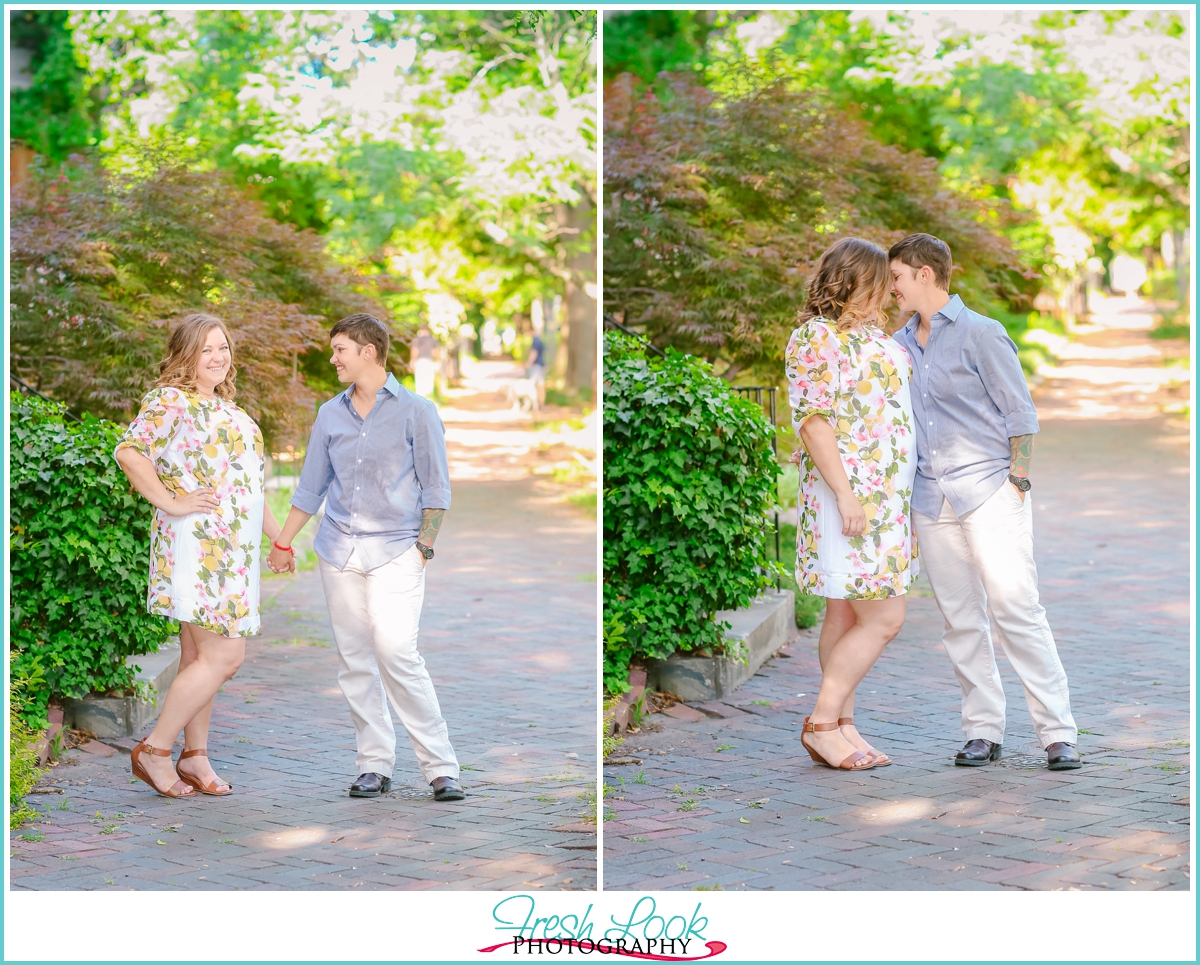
375 618
981 565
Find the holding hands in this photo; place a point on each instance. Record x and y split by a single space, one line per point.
281 561
283 558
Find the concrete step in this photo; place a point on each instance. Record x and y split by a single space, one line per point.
114 717
763 627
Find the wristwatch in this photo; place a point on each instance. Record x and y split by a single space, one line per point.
1022 484
426 551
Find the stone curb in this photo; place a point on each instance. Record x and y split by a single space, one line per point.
763 627
113 718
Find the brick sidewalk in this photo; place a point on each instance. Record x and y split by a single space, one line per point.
508 632
733 801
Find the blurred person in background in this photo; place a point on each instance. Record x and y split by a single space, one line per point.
424 365
535 369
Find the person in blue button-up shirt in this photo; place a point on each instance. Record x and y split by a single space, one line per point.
377 460
971 509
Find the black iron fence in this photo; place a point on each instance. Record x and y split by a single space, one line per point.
610 322
23 386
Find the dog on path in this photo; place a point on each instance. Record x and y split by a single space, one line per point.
523 395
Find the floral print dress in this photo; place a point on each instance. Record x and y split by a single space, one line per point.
204 568
858 381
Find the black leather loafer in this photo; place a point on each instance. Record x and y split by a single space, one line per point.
1062 756
976 753
446 789
370 785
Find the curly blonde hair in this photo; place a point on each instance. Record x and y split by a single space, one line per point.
184 346
851 276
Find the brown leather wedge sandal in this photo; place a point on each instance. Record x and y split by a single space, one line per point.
216 788
857 761
178 789
881 760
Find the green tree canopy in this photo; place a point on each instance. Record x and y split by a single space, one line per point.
720 205
445 157
1075 121
433 146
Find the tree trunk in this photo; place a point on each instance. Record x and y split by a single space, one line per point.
579 223
551 305
1183 264
20 159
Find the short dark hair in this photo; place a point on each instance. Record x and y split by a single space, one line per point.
920 250
365 330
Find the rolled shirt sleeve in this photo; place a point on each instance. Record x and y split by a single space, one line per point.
429 459
1000 371
317 474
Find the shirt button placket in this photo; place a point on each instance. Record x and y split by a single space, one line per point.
357 480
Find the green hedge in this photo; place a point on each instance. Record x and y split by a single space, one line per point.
809 608
23 772
80 553
689 479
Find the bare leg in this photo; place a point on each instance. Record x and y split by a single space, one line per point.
839 617
217 659
876 622
195 734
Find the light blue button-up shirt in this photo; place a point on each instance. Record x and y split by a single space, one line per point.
969 398
375 474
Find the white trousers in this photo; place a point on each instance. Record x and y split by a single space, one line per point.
375 617
981 565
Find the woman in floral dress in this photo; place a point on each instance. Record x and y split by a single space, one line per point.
198 459
848 384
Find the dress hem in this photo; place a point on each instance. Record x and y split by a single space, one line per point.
825 584
211 627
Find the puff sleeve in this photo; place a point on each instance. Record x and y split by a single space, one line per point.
812 366
159 419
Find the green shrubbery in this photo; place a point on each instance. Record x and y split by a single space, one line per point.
1173 325
689 478
80 549
23 771
809 608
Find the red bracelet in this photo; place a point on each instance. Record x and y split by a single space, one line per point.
286 549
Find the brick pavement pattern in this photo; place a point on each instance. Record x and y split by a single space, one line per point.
733 801
508 632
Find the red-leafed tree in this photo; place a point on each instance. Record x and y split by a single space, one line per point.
101 263
718 206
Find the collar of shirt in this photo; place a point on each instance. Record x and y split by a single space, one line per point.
391 385
948 313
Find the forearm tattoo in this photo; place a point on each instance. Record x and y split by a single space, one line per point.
431 522
1021 453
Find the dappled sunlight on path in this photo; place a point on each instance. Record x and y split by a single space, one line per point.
490 437
1112 368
